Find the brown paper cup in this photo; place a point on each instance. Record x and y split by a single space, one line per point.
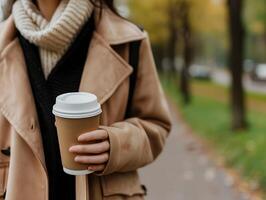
72 120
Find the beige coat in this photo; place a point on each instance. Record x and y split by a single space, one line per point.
135 142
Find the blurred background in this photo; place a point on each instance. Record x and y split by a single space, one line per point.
211 58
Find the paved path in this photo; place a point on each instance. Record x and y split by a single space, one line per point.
184 172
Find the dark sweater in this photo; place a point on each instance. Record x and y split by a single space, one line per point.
65 77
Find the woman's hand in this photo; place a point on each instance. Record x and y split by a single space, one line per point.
94 151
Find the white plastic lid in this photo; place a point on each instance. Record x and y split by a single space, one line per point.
76 105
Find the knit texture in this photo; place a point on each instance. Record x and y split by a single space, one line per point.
55 36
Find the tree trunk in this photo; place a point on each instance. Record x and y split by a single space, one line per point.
172 43
187 53
236 64
172 49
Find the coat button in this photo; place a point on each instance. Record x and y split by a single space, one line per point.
6 151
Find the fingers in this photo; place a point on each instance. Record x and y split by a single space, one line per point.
93 135
94 154
96 168
93 159
96 148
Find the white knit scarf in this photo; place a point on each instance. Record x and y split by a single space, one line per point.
55 36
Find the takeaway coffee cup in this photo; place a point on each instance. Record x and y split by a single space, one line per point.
75 113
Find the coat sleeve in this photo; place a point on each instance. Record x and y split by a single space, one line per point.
137 141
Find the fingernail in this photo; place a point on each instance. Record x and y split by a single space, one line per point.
76 159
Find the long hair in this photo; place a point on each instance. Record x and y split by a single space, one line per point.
102 3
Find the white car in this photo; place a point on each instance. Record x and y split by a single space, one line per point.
200 72
259 72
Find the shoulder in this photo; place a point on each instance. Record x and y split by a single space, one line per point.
7 33
2 27
117 30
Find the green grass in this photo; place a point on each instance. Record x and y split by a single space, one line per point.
252 95
245 151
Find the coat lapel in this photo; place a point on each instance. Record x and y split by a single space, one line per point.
16 100
103 72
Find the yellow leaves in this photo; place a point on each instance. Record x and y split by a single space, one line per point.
152 15
206 16
255 16
257 27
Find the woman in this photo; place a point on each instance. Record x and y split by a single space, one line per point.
49 47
